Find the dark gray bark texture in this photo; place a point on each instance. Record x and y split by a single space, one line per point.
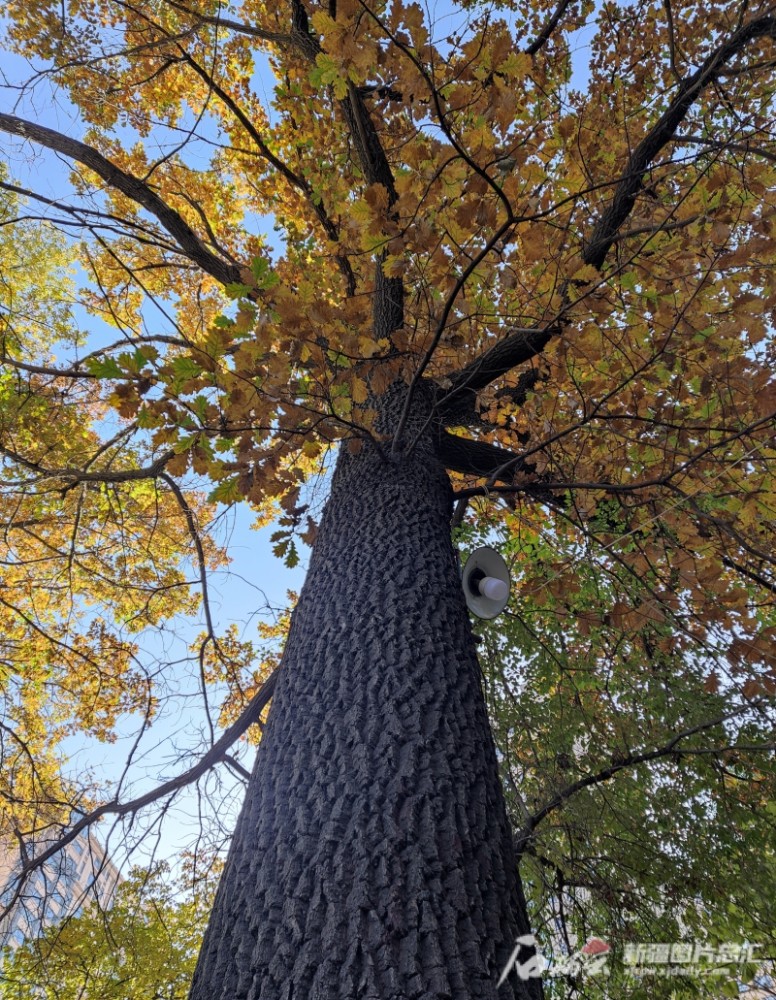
373 858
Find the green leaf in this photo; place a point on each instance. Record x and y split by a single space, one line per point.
263 273
235 290
227 491
106 367
326 73
185 368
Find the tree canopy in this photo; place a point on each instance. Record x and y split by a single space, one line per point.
557 221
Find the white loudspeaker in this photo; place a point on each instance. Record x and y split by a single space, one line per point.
486 583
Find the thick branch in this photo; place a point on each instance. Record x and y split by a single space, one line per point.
520 346
750 574
478 458
515 349
389 292
187 240
461 410
662 133
363 133
548 27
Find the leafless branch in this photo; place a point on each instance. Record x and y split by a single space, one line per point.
214 756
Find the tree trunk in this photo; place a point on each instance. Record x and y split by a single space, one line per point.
373 859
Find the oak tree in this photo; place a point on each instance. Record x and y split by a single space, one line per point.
523 252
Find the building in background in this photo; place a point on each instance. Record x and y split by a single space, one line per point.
77 875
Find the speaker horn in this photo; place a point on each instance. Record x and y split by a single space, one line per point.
486 583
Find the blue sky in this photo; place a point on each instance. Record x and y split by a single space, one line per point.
253 587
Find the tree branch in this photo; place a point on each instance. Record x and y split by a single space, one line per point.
746 146
389 292
518 347
187 240
663 132
750 574
630 760
478 458
548 27
84 476
139 231
522 345
218 752
216 21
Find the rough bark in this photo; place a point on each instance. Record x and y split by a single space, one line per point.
373 856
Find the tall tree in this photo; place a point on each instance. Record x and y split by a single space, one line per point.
553 288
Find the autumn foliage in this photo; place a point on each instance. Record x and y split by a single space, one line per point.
559 218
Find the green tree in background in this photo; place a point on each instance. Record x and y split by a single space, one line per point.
143 947
642 795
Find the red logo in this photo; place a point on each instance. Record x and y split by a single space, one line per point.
595 946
